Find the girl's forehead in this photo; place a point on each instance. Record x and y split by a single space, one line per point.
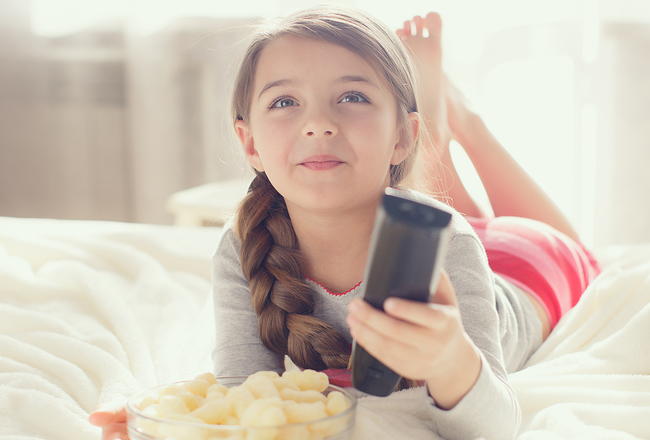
292 44
304 57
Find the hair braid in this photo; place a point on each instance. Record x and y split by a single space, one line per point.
280 296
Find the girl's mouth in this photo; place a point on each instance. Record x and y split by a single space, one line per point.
321 162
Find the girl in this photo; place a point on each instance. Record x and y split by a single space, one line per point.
325 108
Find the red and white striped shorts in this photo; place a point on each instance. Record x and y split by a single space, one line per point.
538 259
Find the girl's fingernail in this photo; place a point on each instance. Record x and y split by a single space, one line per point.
389 304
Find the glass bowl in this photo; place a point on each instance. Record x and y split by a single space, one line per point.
143 426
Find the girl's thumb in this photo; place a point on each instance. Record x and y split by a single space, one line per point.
445 293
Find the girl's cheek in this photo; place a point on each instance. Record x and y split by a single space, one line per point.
281 132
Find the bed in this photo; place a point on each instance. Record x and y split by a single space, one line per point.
92 312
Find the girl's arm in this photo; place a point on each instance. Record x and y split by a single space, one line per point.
238 349
469 386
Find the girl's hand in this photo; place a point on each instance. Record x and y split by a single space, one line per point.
421 342
111 417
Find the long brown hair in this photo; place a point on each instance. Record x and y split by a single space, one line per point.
270 256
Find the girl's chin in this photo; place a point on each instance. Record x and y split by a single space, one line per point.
331 198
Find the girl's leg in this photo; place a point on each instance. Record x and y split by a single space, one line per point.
439 171
511 191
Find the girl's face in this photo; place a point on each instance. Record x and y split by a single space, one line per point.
323 125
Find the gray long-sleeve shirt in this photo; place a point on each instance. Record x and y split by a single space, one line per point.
496 315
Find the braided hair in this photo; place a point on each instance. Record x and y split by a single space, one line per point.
281 297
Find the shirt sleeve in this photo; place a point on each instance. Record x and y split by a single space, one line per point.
239 350
490 409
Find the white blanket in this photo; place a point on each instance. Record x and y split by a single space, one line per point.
591 378
91 312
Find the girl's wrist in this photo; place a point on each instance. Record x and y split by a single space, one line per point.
450 387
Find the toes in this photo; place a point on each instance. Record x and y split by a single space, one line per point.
419 25
405 32
407 27
433 24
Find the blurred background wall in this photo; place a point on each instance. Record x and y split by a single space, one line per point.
107 108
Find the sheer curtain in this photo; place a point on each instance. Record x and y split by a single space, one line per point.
105 118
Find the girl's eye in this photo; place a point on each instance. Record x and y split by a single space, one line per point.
283 102
354 97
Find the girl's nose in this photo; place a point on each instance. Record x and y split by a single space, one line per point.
325 133
319 124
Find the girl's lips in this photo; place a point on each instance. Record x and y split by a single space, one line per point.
321 162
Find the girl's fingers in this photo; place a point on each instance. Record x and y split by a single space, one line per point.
374 330
405 322
413 325
106 416
428 316
362 315
388 351
406 317
410 347
117 431
371 327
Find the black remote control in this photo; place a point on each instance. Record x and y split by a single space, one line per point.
408 245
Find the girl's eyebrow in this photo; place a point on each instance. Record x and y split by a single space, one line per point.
355 78
278 83
343 79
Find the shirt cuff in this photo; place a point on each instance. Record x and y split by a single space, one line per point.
489 410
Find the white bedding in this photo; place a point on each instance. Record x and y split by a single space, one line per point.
95 311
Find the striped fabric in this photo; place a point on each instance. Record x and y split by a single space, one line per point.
538 259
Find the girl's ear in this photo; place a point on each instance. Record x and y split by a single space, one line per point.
246 138
403 146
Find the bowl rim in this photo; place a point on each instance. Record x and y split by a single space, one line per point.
133 411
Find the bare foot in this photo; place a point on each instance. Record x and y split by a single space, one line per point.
438 172
462 120
427 54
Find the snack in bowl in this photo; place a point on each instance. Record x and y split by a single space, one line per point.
299 405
